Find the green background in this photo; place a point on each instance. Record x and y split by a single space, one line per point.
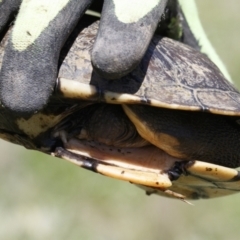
46 198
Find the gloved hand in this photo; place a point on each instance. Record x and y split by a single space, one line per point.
29 68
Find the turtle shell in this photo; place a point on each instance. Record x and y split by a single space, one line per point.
171 76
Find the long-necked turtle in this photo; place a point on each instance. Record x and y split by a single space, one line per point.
171 126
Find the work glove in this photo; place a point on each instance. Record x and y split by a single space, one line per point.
40 29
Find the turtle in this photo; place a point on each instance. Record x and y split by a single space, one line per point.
171 126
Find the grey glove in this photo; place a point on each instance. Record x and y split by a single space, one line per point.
29 68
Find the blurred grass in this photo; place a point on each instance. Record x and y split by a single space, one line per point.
46 198
221 22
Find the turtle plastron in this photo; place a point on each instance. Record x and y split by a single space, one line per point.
128 164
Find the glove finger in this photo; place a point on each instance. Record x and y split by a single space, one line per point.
126 29
30 62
